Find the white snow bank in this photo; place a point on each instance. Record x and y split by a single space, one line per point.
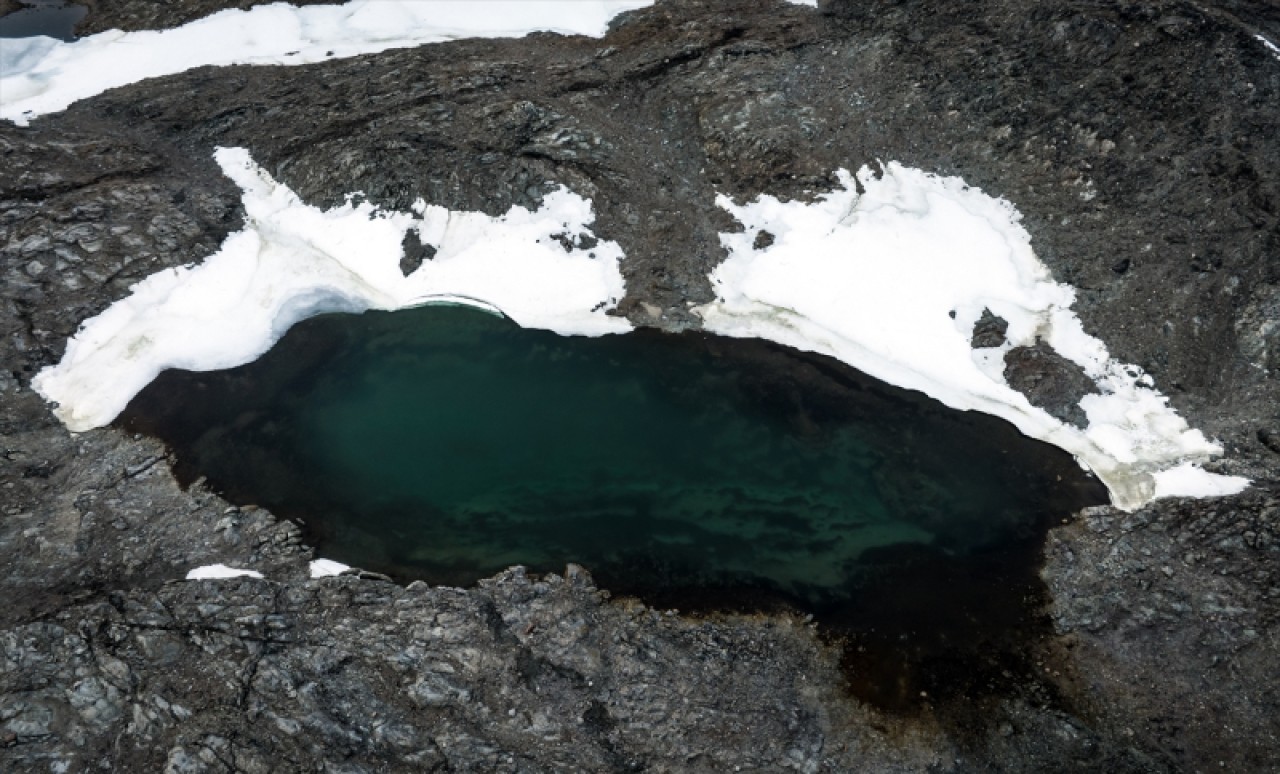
1188 480
294 261
214 571
43 75
892 282
325 568
810 3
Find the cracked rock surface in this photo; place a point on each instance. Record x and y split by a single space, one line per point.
1138 140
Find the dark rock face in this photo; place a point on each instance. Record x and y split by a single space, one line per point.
989 330
415 252
1258 330
1049 381
1140 135
515 675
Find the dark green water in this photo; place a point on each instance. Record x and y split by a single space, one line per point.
446 444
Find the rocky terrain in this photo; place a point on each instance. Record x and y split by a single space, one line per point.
1140 142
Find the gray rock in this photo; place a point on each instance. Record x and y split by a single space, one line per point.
989 330
1049 381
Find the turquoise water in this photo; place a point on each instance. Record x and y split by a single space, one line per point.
446 444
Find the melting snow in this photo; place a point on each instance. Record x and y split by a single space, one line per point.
293 261
1187 480
892 282
325 568
213 571
42 75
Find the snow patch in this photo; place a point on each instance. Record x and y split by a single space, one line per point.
810 3
326 568
42 75
1189 480
1272 47
891 281
214 571
293 261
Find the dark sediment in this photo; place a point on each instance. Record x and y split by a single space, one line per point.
1144 132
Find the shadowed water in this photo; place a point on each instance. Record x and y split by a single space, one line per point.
446 444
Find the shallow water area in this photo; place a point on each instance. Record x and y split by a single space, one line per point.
50 18
445 444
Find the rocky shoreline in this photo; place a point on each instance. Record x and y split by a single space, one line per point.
1139 142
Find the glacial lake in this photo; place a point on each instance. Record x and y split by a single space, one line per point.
693 471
